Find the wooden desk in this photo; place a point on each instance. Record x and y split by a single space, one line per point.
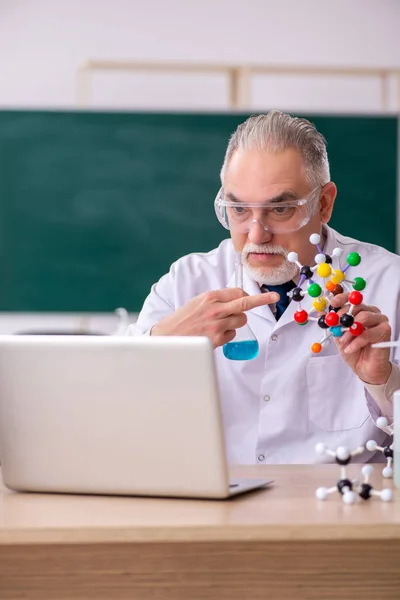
279 543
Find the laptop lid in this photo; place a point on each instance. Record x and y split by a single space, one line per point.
111 415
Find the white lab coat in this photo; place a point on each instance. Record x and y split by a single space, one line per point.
279 405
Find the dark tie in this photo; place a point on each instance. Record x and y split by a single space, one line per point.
282 290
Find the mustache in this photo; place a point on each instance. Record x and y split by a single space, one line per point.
264 249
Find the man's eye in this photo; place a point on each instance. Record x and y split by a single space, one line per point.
238 210
282 210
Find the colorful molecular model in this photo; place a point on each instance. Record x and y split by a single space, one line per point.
387 451
349 489
334 282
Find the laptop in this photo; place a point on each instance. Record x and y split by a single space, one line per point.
113 415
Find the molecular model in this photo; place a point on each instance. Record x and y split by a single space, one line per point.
365 489
349 489
387 451
334 282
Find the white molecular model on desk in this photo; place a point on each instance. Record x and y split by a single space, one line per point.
392 430
387 451
349 488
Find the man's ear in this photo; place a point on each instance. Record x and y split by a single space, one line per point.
327 201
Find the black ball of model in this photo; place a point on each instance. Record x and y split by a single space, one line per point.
347 320
344 483
321 323
365 491
306 272
388 452
333 308
297 294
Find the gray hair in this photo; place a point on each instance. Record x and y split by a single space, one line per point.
277 131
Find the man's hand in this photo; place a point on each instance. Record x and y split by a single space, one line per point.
215 314
371 365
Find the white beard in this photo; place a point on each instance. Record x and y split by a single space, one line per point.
271 276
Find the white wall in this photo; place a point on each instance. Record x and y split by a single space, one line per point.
42 42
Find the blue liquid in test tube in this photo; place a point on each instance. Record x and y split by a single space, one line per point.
244 350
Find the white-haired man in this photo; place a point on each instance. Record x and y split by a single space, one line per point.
276 192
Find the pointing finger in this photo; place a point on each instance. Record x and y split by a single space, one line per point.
249 302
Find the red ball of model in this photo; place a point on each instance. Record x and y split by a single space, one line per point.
356 329
301 316
332 319
355 298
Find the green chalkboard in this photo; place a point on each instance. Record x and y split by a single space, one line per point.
95 206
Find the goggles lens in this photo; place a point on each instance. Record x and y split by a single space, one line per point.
276 217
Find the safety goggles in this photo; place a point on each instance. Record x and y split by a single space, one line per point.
281 216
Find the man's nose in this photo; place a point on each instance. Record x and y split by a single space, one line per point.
257 233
